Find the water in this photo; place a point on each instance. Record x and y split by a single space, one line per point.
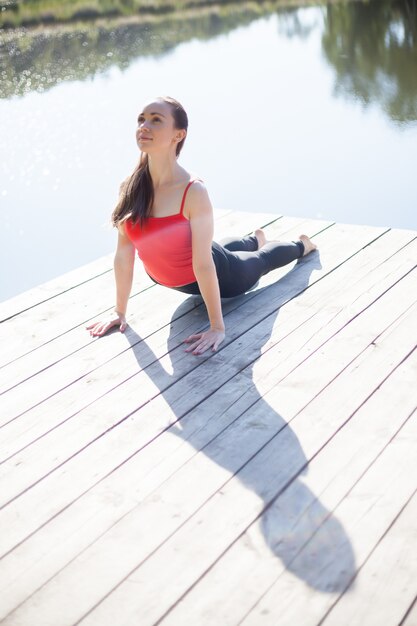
297 112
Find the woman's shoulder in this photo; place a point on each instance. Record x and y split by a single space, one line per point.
197 191
197 186
197 200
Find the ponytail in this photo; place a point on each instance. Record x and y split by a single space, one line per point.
136 195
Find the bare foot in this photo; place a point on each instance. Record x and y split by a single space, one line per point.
260 236
309 246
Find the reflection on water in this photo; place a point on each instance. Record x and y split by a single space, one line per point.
303 112
371 46
40 61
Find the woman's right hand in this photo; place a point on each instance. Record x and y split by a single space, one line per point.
100 328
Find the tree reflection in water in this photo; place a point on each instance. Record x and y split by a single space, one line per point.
371 45
373 48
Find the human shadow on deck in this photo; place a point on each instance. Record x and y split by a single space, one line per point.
237 429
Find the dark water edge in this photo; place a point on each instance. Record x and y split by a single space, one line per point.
372 46
30 13
38 59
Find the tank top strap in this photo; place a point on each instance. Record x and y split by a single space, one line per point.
185 193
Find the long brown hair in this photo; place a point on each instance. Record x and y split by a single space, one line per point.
137 192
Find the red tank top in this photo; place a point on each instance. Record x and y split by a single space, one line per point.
164 246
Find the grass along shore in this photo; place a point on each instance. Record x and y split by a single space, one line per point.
39 57
31 13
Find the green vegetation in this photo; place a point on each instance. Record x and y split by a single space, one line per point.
371 46
35 12
373 49
36 59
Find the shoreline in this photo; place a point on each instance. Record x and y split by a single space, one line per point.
54 23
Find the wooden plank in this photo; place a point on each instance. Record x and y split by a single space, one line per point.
186 554
379 596
70 280
410 618
19 370
21 398
292 316
149 317
161 508
58 374
242 222
24 426
50 289
369 513
282 555
165 500
72 341
30 329
123 395
33 391
152 408
163 454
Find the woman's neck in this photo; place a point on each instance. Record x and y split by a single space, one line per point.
164 170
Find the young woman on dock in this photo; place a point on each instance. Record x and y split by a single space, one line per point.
165 214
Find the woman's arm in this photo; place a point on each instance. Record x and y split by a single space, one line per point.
124 260
200 213
123 272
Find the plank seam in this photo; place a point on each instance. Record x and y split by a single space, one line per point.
28 308
83 282
89 343
111 308
230 478
331 511
54 516
182 416
131 346
413 604
134 295
128 458
268 505
72 328
328 612
198 364
240 469
274 498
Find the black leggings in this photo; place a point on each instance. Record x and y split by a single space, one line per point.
239 263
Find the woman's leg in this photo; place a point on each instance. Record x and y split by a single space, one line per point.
239 270
248 243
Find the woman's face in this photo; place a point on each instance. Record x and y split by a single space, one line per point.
156 128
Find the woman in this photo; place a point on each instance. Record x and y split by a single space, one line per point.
165 214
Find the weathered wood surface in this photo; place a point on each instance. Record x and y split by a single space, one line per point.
410 618
271 483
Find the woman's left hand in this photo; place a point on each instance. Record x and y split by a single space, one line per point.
203 341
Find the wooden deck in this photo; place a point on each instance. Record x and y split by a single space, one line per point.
271 483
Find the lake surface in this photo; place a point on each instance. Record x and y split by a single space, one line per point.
308 112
